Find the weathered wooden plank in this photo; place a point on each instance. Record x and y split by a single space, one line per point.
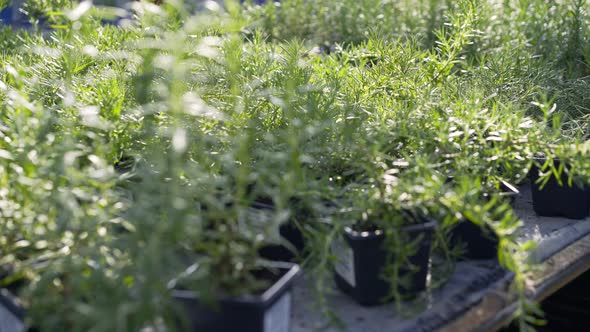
554 273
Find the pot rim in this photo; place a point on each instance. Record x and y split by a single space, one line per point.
267 298
429 225
9 302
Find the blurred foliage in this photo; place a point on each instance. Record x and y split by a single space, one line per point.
131 157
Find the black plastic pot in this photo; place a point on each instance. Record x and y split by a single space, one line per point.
362 257
11 314
267 312
277 252
554 200
288 231
480 242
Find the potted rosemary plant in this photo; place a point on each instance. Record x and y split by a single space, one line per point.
363 258
383 254
239 290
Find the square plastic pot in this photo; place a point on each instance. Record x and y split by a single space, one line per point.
554 200
11 314
362 256
289 231
267 312
480 242
277 252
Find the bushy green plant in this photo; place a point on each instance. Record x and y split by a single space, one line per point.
134 155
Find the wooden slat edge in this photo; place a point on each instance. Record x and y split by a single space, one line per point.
497 305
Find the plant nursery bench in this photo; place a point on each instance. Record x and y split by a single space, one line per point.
476 297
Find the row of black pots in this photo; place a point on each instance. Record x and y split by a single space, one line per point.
481 242
361 257
555 200
268 311
358 271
